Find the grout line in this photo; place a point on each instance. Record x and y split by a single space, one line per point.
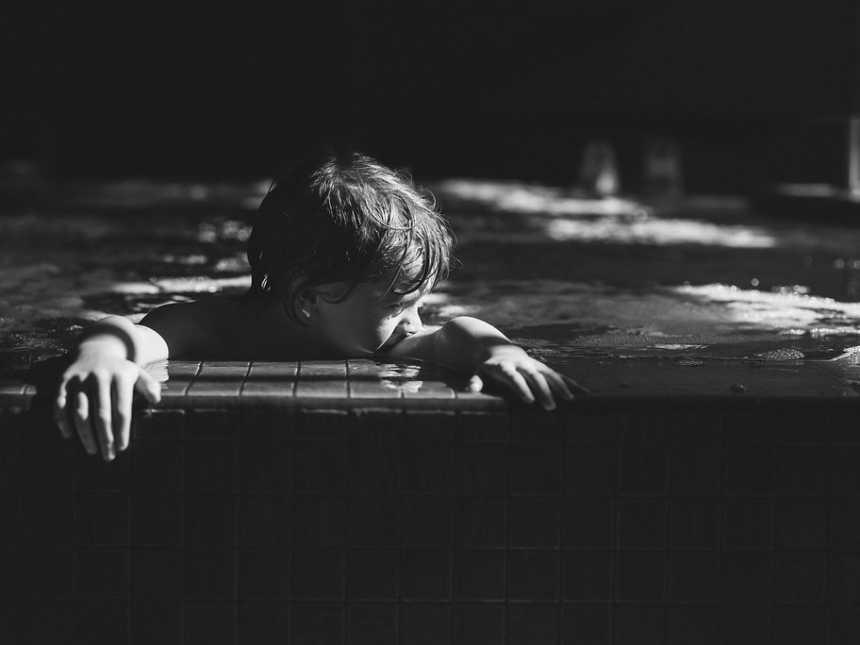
191 380
347 379
245 378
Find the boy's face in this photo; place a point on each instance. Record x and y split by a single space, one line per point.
368 319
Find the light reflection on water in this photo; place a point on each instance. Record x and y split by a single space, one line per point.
565 275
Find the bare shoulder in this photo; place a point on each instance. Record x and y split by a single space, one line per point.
197 329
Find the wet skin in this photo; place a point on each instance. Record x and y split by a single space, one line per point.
95 395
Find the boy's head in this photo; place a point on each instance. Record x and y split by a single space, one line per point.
340 225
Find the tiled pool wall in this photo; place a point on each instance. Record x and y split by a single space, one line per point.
606 522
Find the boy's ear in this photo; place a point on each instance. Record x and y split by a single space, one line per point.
307 299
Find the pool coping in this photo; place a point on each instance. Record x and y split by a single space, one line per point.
360 384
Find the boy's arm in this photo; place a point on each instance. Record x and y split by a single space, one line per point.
469 345
95 394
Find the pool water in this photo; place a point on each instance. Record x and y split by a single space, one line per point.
674 286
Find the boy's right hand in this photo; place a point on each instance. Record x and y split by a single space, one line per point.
94 399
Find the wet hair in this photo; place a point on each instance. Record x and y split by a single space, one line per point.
346 218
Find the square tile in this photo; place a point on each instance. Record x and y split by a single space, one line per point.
591 468
374 522
747 524
844 573
482 470
745 576
694 524
586 575
105 621
209 522
101 572
372 574
587 522
156 621
158 466
425 455
696 464
800 524
264 572
218 424
694 576
208 624
263 521
209 465
102 519
533 625
373 459
217 381
694 625
40 570
156 520
480 522
425 574
799 625
318 521
322 379
479 624
534 575
47 519
535 468
799 576
749 468
425 624
319 466
265 459
425 520
376 624
640 576
534 521
585 623
801 470
639 624
844 525
209 575
158 574
644 463
264 621
271 380
845 471
641 523
317 625
479 575
746 624
318 574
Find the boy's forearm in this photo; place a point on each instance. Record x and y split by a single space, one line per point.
118 336
464 343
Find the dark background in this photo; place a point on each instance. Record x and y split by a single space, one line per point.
754 92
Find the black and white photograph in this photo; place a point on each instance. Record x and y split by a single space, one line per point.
377 322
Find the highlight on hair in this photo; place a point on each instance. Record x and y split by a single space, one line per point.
346 219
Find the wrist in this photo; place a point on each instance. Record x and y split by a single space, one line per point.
112 336
104 345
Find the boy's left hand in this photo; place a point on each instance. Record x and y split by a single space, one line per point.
514 370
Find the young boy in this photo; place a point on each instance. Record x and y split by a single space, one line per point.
342 251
